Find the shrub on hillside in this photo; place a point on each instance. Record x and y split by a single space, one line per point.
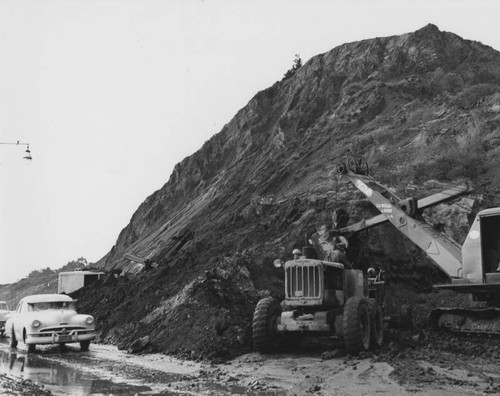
297 64
472 96
353 88
442 81
456 161
421 115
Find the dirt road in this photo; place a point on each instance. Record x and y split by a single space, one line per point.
417 370
413 374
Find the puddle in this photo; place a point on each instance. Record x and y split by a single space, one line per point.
63 379
105 371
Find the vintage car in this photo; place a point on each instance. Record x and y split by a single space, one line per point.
5 314
49 319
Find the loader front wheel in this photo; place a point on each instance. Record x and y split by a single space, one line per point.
376 324
356 325
265 337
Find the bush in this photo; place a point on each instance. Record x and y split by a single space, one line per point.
472 96
421 115
297 64
353 88
457 161
441 81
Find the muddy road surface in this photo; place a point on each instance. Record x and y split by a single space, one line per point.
104 370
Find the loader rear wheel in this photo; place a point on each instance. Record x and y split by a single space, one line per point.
376 324
356 325
265 338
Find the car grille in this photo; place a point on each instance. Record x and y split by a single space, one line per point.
303 281
62 329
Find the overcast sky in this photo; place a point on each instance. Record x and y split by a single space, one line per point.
112 94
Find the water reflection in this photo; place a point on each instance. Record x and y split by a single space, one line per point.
41 372
73 373
62 380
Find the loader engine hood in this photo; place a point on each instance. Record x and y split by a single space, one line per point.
304 281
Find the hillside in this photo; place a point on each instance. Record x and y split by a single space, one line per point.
419 106
37 282
423 108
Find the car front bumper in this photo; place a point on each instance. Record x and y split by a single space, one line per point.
60 338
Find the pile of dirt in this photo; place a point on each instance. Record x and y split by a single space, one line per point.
214 310
423 108
422 357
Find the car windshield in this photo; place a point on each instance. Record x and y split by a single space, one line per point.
42 306
4 306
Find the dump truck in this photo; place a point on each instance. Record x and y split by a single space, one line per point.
472 268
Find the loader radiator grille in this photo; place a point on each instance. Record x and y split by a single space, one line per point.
303 281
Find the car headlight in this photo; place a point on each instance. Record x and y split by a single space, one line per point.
36 324
89 320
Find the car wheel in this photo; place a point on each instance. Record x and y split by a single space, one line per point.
84 345
31 347
13 341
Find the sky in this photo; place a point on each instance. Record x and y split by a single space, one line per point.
112 94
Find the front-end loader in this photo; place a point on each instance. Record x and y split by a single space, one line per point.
321 298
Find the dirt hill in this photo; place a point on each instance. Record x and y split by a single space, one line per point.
423 108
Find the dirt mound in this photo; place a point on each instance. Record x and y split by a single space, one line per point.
422 356
208 317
